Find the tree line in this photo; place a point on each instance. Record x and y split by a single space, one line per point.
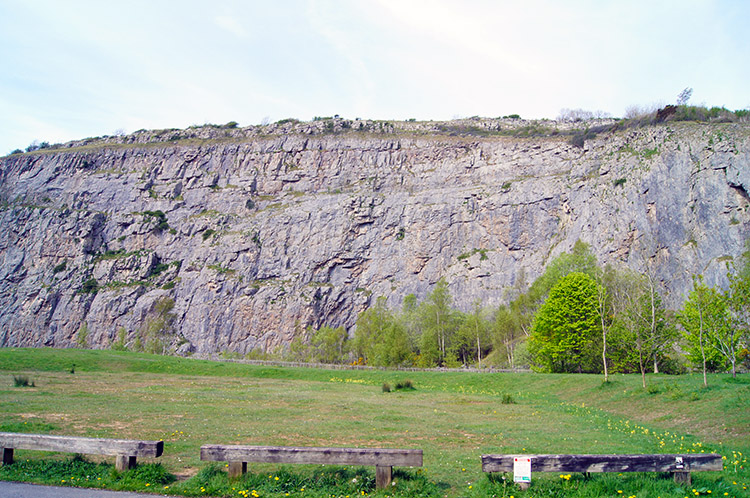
578 316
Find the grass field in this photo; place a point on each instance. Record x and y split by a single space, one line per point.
453 416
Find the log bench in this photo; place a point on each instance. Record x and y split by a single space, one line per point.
680 465
383 459
125 451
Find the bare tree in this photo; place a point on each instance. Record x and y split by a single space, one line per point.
684 97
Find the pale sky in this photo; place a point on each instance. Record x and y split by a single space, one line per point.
77 68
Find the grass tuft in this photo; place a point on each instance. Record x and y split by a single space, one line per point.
22 381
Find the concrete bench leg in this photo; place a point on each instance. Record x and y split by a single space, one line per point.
124 462
236 469
383 476
7 456
682 478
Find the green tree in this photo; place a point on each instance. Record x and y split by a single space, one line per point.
580 260
380 339
410 321
738 301
392 349
704 317
566 326
473 336
328 344
371 327
646 324
438 324
615 284
507 331
525 305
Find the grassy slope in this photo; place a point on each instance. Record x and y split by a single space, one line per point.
454 417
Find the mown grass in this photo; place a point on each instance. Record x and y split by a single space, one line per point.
453 416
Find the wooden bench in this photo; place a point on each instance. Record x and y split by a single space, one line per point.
383 459
125 451
680 465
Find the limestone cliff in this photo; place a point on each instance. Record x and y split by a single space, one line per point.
257 233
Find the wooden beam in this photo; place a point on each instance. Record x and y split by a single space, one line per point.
86 445
694 462
326 456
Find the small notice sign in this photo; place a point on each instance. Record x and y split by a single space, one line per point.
522 469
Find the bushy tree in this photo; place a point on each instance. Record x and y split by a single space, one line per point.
380 339
393 349
513 323
566 326
580 259
328 344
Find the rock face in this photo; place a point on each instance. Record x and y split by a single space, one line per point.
239 243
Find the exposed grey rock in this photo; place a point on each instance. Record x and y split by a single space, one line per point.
267 231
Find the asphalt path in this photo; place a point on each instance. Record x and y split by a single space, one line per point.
24 490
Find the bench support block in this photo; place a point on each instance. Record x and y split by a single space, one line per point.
124 462
682 478
236 469
383 476
7 456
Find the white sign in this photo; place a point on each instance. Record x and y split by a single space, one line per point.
522 469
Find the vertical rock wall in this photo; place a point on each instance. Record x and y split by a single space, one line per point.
241 244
